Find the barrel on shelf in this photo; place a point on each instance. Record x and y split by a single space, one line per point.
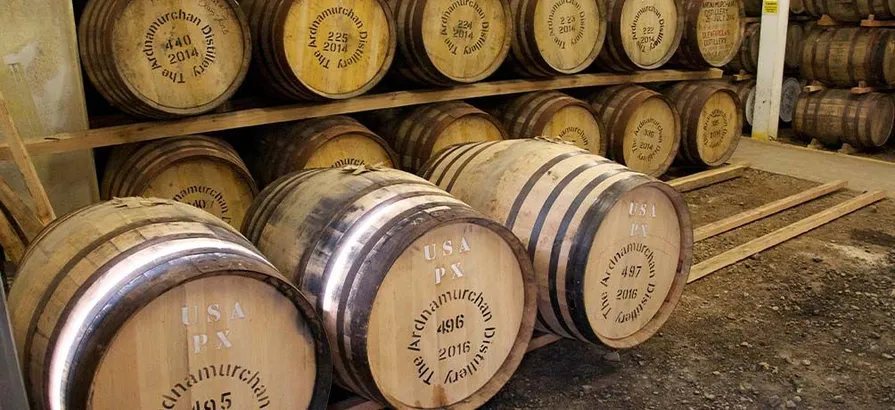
851 11
427 303
746 59
643 126
711 122
795 41
789 94
321 49
202 171
797 6
713 33
745 91
418 134
845 56
556 36
611 248
142 303
752 7
451 42
276 150
553 114
166 58
642 34
837 116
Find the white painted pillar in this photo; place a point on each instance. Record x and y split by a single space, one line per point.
769 80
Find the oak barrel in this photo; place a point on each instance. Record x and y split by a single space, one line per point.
553 114
851 10
198 170
449 42
557 36
795 41
142 303
165 58
745 91
427 303
321 49
272 151
711 122
844 56
789 94
425 130
797 6
642 34
838 116
713 33
611 248
643 126
752 7
746 59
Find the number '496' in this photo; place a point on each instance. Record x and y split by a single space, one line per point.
211 404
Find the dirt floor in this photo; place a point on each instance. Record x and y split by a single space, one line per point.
808 324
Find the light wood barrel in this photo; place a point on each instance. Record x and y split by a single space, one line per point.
746 59
611 248
557 36
844 56
746 92
418 134
314 49
555 115
644 127
711 122
198 170
165 58
851 10
143 303
276 150
795 41
713 33
427 304
837 116
451 41
789 94
642 34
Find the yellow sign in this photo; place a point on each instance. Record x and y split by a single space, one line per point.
770 6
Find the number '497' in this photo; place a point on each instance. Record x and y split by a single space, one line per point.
211 404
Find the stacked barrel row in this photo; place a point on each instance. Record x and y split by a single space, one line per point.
167 58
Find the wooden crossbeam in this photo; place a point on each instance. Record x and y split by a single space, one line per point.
781 235
752 215
23 163
706 178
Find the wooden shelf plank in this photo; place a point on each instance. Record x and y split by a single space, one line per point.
706 178
74 141
781 235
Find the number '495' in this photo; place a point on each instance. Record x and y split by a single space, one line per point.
211 404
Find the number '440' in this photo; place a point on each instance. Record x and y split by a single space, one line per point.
211 404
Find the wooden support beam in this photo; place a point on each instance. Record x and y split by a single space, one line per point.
781 235
706 178
542 340
752 215
22 216
12 243
769 78
25 166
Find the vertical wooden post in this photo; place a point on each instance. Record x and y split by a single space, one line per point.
769 81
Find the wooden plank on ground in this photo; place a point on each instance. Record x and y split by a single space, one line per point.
542 340
74 141
752 215
706 178
24 165
781 235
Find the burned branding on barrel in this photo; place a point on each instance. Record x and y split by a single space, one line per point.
649 135
714 28
338 34
179 52
566 23
716 127
648 28
205 198
575 134
464 27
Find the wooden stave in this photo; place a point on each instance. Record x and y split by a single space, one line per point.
795 38
613 56
199 263
459 157
870 54
849 109
688 53
746 59
308 269
95 41
684 94
527 115
615 119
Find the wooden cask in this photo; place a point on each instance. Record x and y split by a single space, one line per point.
418 134
844 56
276 150
142 303
746 59
711 122
642 34
851 10
797 6
713 33
745 91
795 41
198 170
553 114
164 58
643 126
789 94
427 303
556 36
611 248
451 42
321 49
834 117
